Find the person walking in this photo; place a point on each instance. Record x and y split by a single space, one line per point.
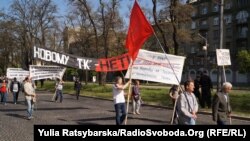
4 92
15 88
221 107
30 96
59 90
119 100
136 98
187 106
78 86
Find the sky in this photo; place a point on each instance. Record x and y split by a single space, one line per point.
63 6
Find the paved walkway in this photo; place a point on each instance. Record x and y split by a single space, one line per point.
86 111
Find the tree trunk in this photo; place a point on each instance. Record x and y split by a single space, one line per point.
166 48
173 22
86 77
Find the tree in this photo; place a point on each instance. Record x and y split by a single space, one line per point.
244 61
9 53
105 23
171 22
34 19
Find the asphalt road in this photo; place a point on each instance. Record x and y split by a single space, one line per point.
86 111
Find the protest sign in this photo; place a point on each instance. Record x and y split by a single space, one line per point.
17 73
46 72
117 63
153 66
223 57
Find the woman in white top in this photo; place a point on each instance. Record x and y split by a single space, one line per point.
119 100
59 90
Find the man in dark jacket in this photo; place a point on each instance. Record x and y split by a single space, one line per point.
78 86
15 88
221 109
206 86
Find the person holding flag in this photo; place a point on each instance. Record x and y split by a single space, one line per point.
138 32
119 100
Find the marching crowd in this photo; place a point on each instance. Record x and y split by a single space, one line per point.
185 101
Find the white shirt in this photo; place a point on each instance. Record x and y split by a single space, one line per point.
118 95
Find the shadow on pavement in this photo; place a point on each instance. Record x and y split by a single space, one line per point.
95 119
17 116
87 123
44 109
147 119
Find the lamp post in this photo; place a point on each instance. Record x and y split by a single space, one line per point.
205 49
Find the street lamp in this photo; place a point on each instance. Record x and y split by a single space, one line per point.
205 49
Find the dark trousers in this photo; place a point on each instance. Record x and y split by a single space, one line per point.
206 97
15 96
198 95
77 93
220 122
120 113
59 94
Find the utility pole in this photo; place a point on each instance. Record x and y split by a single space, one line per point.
219 76
205 49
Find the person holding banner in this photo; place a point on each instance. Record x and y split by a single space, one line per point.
221 108
30 96
119 100
59 90
187 105
174 92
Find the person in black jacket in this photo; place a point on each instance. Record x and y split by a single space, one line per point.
78 86
15 88
206 86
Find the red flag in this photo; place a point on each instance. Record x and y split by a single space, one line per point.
138 32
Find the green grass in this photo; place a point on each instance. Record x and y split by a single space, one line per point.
157 95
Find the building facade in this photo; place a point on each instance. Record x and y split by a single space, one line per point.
206 24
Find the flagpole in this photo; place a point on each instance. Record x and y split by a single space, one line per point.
129 89
174 75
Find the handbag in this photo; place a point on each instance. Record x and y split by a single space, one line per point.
34 99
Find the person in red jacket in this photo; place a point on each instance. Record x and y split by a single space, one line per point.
3 91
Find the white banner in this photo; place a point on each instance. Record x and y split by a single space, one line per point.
223 57
46 72
154 66
17 73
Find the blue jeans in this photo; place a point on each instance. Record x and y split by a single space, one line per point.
120 113
30 105
192 121
59 94
15 97
4 97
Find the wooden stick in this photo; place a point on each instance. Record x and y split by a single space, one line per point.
61 76
174 110
175 104
54 96
129 90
